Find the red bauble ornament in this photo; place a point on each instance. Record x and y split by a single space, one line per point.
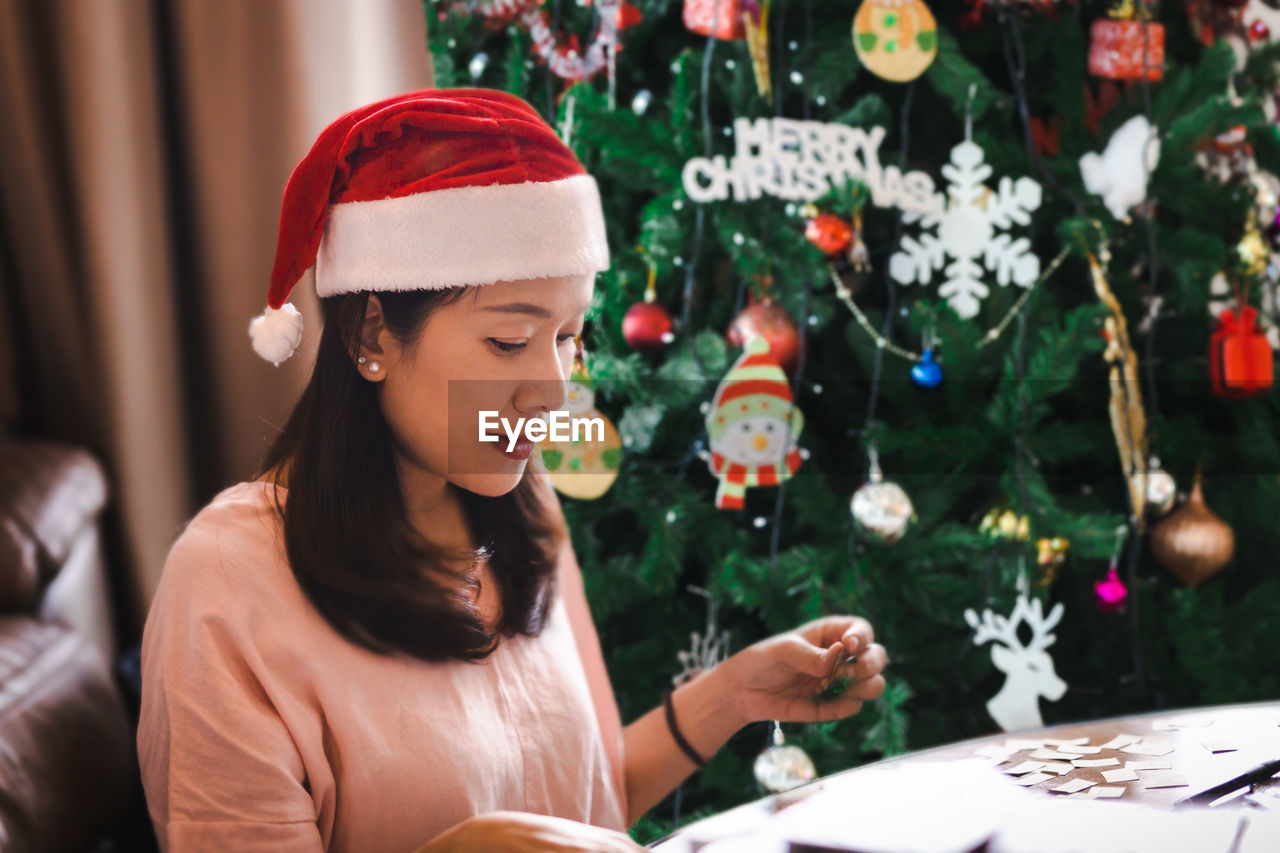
628 15
769 320
721 18
1259 31
1240 358
829 233
1115 49
647 326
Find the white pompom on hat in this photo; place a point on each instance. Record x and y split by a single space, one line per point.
427 190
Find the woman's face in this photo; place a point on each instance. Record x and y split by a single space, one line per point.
505 347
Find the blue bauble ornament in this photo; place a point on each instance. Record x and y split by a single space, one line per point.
926 372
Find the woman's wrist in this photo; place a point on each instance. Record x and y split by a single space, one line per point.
707 710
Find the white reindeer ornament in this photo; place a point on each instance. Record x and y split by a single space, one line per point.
1029 669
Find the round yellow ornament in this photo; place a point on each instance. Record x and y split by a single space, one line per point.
895 39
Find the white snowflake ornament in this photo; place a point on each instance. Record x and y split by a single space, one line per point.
966 231
1119 174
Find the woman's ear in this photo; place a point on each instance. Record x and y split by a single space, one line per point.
376 342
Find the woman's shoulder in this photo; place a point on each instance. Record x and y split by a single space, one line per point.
234 538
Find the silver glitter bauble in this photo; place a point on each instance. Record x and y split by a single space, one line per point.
1162 490
781 767
882 510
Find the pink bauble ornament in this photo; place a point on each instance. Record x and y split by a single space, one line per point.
1110 593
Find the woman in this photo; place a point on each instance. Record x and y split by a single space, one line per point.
381 643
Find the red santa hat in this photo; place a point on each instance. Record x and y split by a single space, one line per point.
430 189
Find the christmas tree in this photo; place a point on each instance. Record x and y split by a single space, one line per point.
1011 253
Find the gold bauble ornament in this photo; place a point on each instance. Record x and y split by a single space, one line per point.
1193 542
1253 251
1002 523
1051 553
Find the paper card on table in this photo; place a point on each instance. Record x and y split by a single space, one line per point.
1163 726
1071 786
1033 779
1216 746
1077 741
1024 767
1148 765
1059 767
1016 744
1087 823
1096 762
994 750
1124 774
1190 722
1164 779
1102 792
1148 747
1052 755
1076 749
1121 740
965 818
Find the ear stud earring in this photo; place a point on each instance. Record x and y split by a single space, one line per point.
361 360
374 367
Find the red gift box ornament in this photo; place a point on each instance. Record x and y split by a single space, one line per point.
720 18
1240 359
1115 49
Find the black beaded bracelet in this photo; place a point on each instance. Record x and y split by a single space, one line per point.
675 731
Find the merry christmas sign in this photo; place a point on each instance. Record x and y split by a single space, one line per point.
803 160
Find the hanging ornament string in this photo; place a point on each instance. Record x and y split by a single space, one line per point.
1149 344
904 131
1017 70
700 215
989 337
1017 73
775 532
904 134
555 27
686 308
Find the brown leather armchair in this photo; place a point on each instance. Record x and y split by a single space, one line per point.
68 768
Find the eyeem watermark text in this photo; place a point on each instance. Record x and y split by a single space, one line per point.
556 426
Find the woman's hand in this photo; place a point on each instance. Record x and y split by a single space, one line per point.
524 832
783 677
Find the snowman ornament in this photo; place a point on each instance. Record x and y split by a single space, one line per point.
752 426
586 466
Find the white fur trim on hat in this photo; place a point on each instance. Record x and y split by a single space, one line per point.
276 333
462 236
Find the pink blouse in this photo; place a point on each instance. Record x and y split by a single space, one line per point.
263 728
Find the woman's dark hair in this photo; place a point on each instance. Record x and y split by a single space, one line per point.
350 544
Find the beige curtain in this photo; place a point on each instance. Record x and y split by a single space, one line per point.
146 148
